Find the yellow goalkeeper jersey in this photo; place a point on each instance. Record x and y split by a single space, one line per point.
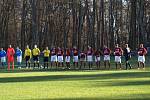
28 53
36 51
46 53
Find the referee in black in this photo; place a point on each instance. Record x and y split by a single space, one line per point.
127 54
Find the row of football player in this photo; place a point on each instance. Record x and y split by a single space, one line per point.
57 56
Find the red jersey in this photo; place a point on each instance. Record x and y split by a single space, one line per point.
106 51
60 52
68 52
142 51
10 54
53 52
90 52
97 53
82 55
118 51
75 52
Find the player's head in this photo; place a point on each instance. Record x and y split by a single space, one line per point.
141 45
58 48
46 48
89 47
35 46
117 45
105 46
126 45
17 47
1 48
27 46
75 47
10 46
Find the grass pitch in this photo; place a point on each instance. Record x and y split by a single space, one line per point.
28 84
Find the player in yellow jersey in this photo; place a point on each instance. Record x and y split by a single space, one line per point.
46 53
27 56
36 54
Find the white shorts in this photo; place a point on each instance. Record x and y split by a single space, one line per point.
19 59
54 58
75 58
97 59
141 59
83 59
106 57
3 59
60 59
118 59
89 58
67 59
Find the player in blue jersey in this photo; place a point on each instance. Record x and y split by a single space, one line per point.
19 57
3 57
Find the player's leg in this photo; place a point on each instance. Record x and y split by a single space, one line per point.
13 65
105 64
139 64
62 61
116 65
44 60
116 62
84 62
143 65
38 64
8 65
120 65
108 64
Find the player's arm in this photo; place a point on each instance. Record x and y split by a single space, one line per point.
39 51
13 51
122 51
114 52
30 54
25 54
145 51
43 51
110 52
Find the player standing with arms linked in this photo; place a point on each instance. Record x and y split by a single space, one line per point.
118 52
10 56
141 56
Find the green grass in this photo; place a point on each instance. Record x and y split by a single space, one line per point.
75 85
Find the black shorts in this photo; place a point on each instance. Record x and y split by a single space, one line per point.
35 58
27 58
46 59
127 57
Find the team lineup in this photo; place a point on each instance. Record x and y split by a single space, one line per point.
62 57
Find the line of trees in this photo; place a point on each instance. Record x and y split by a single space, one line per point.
68 23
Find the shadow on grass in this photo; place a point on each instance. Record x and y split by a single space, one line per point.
56 70
68 99
98 78
145 96
133 97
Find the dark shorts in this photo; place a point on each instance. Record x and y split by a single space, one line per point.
46 59
127 57
27 58
35 58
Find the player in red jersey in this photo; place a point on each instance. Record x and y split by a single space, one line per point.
82 59
53 56
106 53
60 54
67 59
97 54
141 56
118 52
75 57
90 57
10 56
